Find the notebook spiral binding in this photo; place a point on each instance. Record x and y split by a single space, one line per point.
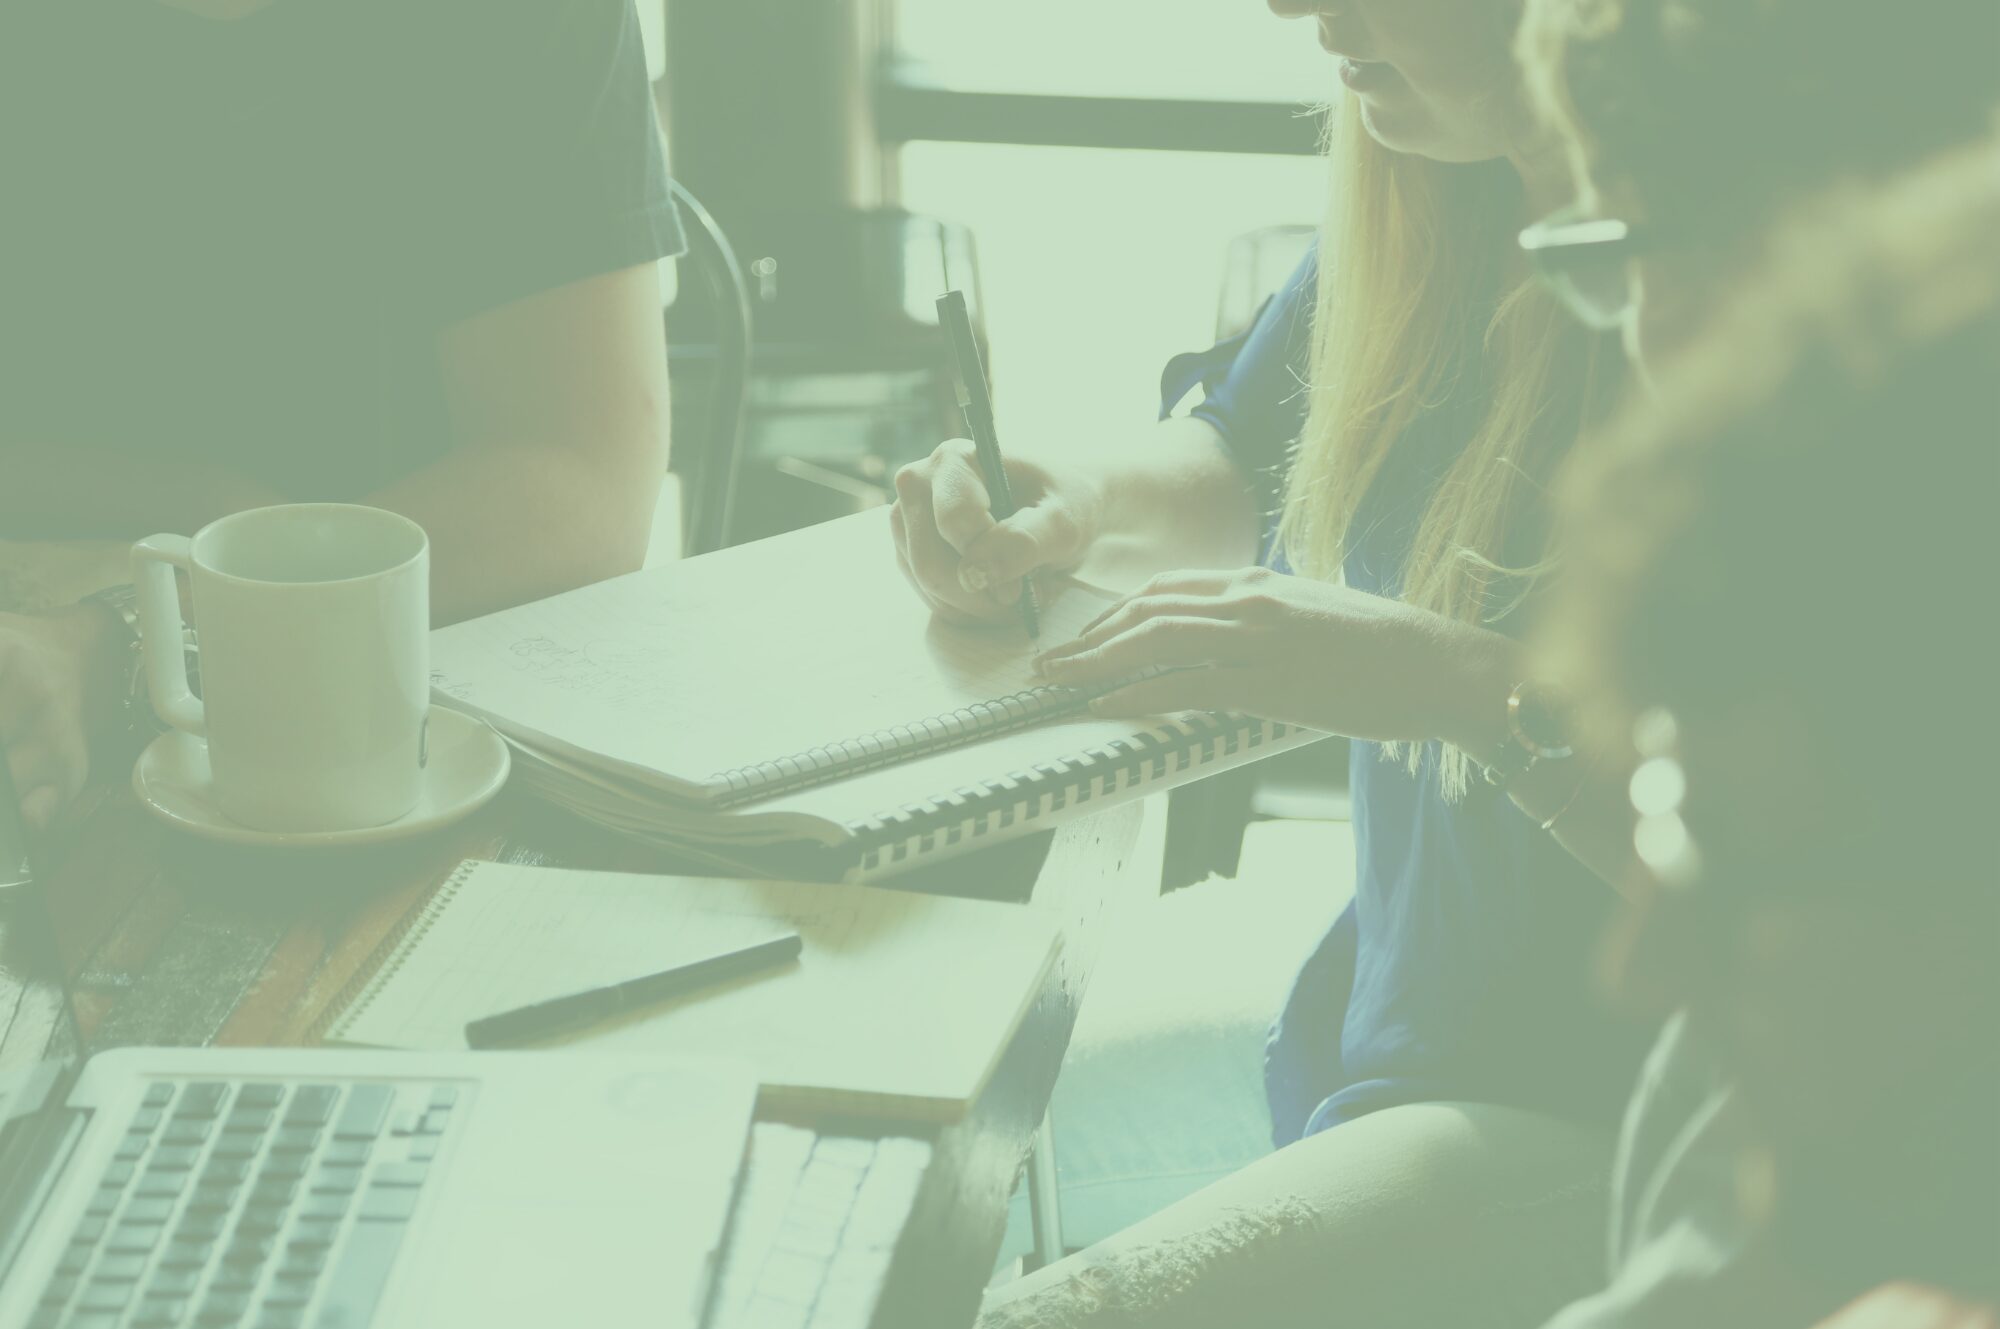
388 957
1123 765
886 747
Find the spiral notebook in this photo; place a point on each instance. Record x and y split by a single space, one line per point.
900 1003
791 706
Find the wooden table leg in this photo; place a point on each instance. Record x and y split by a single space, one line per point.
1094 865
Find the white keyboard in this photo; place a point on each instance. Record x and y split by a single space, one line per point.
816 1221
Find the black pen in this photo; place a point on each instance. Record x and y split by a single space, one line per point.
566 1013
973 399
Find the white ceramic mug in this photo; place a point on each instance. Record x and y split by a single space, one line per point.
313 621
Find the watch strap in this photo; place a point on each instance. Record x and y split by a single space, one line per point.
1509 764
123 601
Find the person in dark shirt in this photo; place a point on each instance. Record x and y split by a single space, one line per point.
401 252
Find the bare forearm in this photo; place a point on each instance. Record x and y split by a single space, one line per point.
1172 499
509 524
78 491
559 405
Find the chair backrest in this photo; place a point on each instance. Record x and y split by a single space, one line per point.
1255 265
708 463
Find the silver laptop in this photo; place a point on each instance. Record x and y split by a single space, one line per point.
143 1188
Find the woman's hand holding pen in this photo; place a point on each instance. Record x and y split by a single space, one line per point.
965 564
1288 648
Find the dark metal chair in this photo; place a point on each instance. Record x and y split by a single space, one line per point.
708 463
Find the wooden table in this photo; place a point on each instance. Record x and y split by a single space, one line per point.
174 942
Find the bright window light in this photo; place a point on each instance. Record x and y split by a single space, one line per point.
1228 50
1097 264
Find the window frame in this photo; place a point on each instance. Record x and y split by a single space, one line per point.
913 105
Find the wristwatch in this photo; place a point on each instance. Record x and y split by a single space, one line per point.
1537 731
141 724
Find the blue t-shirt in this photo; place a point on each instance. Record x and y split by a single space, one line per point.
1461 969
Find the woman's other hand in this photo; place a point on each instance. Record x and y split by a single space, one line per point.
59 685
1286 648
966 565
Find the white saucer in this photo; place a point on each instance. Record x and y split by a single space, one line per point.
467 764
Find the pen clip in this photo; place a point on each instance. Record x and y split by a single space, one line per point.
960 348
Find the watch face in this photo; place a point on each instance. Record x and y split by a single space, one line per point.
1541 721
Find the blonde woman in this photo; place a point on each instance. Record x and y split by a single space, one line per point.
1442 1083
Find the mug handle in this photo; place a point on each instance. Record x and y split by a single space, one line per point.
161 630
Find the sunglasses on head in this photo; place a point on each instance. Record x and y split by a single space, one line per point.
1586 262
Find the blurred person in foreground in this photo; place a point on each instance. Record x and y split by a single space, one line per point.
1677 194
1780 584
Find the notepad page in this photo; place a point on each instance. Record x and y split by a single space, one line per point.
681 673
899 1001
509 936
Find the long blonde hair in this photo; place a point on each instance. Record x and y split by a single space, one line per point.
1423 305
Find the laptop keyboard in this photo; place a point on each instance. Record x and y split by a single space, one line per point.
251 1205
